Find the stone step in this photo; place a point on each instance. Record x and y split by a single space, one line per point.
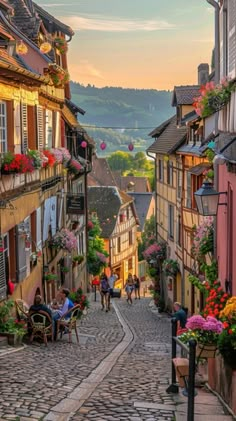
3 341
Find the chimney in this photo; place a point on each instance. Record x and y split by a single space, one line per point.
203 73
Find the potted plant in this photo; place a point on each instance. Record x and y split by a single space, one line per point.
50 277
65 269
9 327
16 163
213 97
78 258
227 339
206 332
170 267
36 158
74 166
65 240
61 45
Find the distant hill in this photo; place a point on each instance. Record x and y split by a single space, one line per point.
138 110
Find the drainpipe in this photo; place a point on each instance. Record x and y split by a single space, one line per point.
155 190
216 6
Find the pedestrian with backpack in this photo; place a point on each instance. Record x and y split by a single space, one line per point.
104 291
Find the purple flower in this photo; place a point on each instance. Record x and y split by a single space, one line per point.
195 322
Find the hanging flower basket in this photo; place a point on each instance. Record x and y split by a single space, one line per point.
74 166
61 45
65 240
206 350
58 75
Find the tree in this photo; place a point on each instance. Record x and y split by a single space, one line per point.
148 236
120 161
140 160
97 255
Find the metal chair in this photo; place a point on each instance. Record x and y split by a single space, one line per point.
68 321
41 326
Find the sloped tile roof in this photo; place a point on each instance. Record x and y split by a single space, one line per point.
184 95
142 202
169 139
101 174
132 183
107 202
25 18
51 19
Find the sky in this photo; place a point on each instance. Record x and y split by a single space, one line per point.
149 44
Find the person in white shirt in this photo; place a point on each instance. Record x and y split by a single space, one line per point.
111 280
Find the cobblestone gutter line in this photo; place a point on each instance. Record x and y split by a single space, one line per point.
68 406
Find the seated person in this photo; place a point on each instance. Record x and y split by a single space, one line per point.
180 315
66 305
38 306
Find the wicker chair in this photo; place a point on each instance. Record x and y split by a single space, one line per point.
68 321
41 326
22 310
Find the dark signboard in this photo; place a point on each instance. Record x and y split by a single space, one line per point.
75 204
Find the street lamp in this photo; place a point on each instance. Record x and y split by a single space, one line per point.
207 199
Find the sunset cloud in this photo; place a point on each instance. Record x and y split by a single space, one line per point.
85 69
106 24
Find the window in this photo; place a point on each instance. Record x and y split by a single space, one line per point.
171 221
179 183
118 245
188 192
3 286
24 127
127 213
161 170
130 264
170 173
130 238
179 231
48 129
3 127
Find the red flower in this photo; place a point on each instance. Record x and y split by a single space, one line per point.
230 331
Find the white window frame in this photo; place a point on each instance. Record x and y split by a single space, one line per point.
161 170
48 128
171 223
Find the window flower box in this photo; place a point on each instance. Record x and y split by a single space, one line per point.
58 75
61 45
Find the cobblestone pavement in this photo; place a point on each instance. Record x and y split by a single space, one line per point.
141 374
67 382
32 381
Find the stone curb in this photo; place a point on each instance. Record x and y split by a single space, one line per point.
68 406
10 351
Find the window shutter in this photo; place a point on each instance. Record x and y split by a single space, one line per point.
57 129
21 266
38 229
17 128
232 39
46 218
40 127
60 212
53 215
3 283
24 127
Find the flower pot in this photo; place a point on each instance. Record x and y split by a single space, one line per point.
206 350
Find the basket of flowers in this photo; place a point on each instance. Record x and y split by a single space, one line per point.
16 163
61 45
206 332
227 338
65 240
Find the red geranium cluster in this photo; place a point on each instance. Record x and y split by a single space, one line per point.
51 159
216 300
20 164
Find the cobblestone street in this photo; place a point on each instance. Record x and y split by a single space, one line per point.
119 371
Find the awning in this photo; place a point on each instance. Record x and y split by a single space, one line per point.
200 168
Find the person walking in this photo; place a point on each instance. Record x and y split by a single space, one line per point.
111 280
181 316
136 287
129 286
104 291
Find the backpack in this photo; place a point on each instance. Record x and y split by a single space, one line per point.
104 284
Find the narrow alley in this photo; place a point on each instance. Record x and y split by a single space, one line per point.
119 371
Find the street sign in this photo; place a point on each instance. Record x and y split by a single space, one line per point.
75 204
